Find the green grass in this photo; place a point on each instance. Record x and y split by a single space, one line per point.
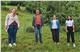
25 40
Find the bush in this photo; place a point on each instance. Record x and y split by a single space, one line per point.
4 8
77 25
29 29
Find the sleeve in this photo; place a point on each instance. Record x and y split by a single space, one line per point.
73 22
50 23
42 20
66 23
33 21
6 20
18 22
58 23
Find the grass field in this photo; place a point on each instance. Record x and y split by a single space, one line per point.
25 40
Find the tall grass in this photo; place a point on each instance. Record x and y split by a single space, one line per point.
25 40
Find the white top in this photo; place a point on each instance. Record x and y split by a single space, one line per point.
69 23
54 24
10 19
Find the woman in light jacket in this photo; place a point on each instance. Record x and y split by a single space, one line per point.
11 26
54 25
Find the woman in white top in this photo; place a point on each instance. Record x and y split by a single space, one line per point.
54 25
70 30
11 26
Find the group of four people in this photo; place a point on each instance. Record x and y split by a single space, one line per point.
12 25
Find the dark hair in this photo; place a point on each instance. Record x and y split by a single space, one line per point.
71 17
37 9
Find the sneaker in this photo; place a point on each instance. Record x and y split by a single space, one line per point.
14 44
68 44
55 43
74 45
58 43
10 45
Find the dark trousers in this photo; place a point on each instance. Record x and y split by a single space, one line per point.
70 33
38 30
12 34
55 35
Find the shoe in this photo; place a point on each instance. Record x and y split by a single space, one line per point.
68 44
14 44
57 43
10 45
74 45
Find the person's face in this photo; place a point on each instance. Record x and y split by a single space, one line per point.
69 17
54 17
13 11
37 12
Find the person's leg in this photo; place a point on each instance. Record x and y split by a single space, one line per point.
72 37
14 34
10 30
9 36
40 34
68 37
36 33
52 34
57 35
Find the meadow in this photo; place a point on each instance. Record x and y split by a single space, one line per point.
26 40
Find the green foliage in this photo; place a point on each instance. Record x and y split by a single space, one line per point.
61 9
4 8
77 24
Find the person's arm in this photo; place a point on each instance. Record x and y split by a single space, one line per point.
6 22
73 27
50 24
33 22
58 24
18 22
66 27
42 21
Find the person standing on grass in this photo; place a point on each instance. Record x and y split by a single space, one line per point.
37 24
11 26
54 25
70 29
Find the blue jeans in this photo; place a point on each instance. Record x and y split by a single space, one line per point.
38 30
12 34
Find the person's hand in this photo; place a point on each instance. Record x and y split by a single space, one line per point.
73 30
66 30
42 26
6 28
33 27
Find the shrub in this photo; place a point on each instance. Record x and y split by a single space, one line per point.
4 8
77 25
29 29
